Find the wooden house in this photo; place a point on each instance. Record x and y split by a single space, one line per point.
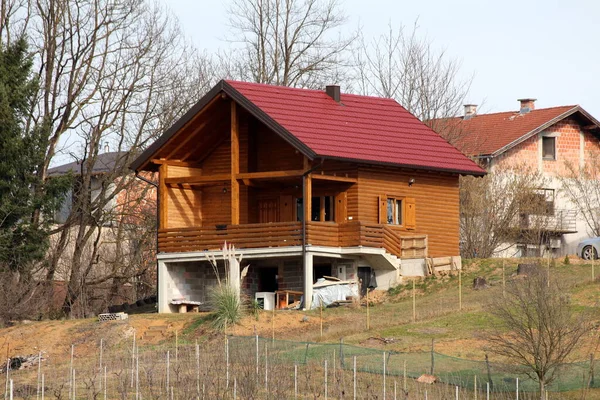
249 161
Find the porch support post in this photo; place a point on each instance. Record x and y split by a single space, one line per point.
235 165
308 279
163 296
162 196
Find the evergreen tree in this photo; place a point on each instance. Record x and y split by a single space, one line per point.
22 149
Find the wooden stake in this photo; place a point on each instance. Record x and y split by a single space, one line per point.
227 360
176 347
257 358
273 325
133 360
548 269
460 289
168 372
43 389
39 375
503 280
384 375
414 299
325 379
475 386
593 256
105 386
295 381
368 317
321 316
404 376
354 379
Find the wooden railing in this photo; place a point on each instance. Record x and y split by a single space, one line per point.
274 234
279 234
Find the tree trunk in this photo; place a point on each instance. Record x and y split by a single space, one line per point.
542 383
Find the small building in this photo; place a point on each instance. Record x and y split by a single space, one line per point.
554 142
305 184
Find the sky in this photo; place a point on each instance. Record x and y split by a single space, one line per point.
543 49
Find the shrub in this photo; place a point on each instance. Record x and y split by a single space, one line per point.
226 305
566 260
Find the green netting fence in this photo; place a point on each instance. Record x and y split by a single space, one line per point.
447 369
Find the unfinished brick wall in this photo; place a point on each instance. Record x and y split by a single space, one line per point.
528 155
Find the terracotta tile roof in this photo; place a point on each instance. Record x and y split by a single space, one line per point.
360 128
489 134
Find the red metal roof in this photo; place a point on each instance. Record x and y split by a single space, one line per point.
361 128
488 134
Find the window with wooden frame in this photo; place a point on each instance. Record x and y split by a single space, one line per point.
549 148
397 210
322 209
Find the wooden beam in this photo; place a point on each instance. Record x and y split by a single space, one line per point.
176 163
185 141
235 165
163 198
308 199
334 178
198 179
270 174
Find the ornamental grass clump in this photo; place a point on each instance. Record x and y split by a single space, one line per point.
226 305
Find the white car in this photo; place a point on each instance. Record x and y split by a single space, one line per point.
589 248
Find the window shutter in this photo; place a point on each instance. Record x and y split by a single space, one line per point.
410 217
382 201
341 206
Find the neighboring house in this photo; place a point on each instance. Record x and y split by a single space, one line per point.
120 246
546 141
105 164
249 161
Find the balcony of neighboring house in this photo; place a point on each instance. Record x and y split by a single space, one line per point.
539 215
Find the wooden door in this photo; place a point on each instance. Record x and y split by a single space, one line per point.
268 210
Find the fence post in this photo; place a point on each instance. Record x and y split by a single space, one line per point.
414 299
257 358
43 390
326 379
404 375
487 391
517 388
384 375
503 280
342 363
295 381
457 393
306 353
368 317
475 390
354 379
432 358
460 289
489 372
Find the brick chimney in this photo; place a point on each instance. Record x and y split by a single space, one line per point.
526 105
470 111
333 91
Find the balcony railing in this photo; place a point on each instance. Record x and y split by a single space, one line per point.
280 234
562 221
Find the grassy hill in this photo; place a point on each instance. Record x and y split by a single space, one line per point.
456 331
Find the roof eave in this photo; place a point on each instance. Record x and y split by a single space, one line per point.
144 158
480 172
539 129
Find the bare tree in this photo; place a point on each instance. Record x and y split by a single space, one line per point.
288 42
406 67
538 328
581 186
492 209
110 71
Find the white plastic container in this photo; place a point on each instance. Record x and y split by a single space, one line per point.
266 299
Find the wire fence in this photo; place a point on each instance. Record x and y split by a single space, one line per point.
258 368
